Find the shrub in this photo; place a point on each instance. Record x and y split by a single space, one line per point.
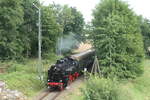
101 89
105 89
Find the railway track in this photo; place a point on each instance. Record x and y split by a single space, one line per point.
52 95
44 95
48 95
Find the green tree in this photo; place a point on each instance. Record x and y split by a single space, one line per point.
71 23
77 24
145 30
50 30
19 32
11 17
117 39
69 19
28 29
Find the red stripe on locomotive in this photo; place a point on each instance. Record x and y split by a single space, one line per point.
55 83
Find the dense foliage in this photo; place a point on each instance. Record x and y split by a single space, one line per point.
50 30
11 17
70 19
107 89
145 30
19 28
117 39
71 23
101 89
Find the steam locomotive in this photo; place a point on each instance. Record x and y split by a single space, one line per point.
68 69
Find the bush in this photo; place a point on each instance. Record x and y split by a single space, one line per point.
105 89
101 89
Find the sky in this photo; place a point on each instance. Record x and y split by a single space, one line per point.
141 7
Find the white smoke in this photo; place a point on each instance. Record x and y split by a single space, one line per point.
66 43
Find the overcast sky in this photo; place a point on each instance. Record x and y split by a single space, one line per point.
141 7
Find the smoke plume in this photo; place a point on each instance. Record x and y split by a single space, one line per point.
66 43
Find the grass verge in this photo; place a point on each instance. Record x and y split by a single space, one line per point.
24 77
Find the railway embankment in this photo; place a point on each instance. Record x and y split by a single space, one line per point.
22 78
8 94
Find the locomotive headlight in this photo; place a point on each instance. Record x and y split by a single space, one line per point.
48 80
60 81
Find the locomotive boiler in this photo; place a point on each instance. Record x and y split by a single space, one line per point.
68 69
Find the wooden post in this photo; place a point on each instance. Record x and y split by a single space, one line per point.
95 68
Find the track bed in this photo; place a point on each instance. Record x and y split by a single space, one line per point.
59 95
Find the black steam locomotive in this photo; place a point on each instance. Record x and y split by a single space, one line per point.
68 69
